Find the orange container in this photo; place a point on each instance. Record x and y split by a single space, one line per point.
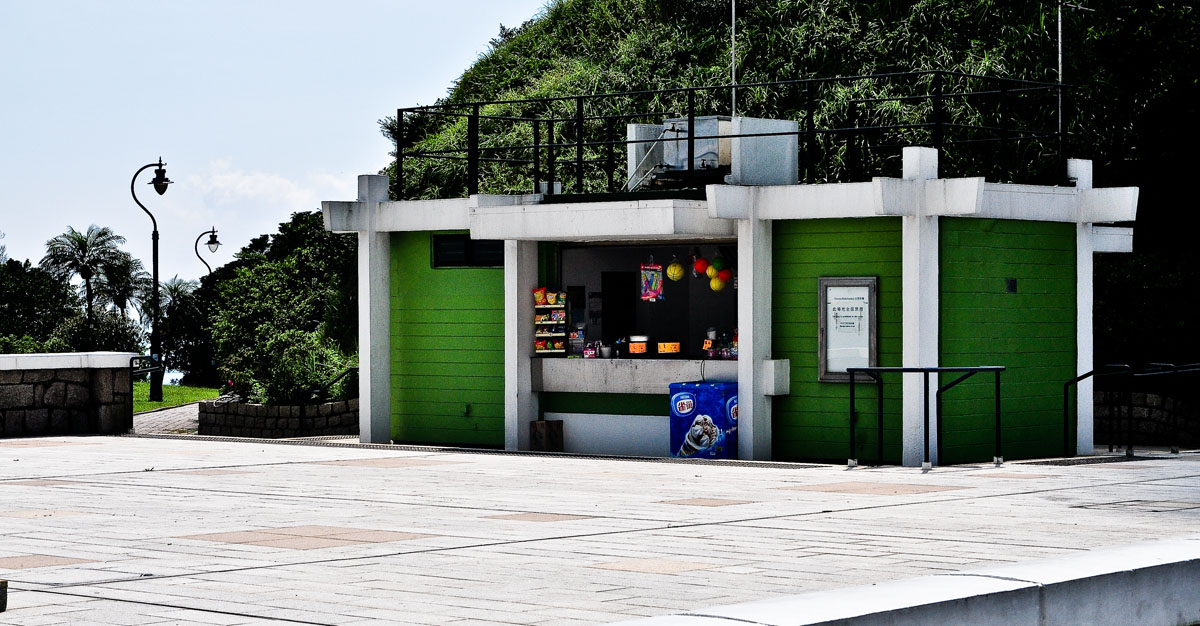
668 347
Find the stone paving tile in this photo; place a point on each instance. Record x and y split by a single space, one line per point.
540 517
447 557
707 502
181 419
874 489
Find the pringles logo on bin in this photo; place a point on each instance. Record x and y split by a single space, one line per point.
684 403
731 409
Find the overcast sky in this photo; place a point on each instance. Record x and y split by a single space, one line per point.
259 108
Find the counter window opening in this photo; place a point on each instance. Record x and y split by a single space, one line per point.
655 301
459 250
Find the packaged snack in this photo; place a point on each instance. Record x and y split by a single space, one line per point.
539 345
562 297
539 295
551 297
558 344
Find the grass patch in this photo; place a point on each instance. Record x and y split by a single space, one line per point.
173 395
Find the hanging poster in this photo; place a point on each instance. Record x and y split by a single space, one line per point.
652 282
847 326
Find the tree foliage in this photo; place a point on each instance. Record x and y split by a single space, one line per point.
1131 104
82 254
33 301
283 315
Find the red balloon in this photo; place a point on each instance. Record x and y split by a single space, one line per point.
701 265
725 275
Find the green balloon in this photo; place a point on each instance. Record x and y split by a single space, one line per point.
719 263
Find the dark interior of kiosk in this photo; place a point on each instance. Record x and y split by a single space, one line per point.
604 293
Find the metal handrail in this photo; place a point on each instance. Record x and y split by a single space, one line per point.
1125 408
140 366
857 137
877 372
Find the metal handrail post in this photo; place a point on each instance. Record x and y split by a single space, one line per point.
473 151
879 409
537 155
938 408
852 461
925 465
398 182
999 458
937 112
550 156
810 157
691 141
579 145
610 155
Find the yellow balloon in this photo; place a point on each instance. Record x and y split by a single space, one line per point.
675 271
716 284
711 271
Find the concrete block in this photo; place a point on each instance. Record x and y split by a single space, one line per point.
79 420
9 377
71 375
55 396
14 423
353 404
77 395
36 376
111 419
102 386
293 423
39 392
37 421
320 422
326 409
60 421
120 379
13 396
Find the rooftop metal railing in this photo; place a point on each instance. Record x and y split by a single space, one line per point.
849 128
1126 377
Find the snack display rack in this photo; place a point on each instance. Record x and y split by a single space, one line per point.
549 327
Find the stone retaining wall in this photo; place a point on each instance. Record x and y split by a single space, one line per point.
64 394
278 422
1155 418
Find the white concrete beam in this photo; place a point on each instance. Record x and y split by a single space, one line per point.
599 221
520 402
1029 202
953 196
374 320
1112 239
1112 204
344 217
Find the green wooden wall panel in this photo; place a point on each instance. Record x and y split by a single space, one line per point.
813 421
447 348
1031 332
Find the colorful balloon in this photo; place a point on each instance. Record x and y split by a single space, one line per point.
716 284
720 263
725 275
711 272
701 265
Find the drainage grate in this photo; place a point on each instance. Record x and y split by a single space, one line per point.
1145 506
1089 460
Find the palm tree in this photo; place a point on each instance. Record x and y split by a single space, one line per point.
84 254
123 280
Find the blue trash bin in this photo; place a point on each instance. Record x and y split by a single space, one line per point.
704 420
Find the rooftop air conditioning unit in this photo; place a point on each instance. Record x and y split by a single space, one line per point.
657 153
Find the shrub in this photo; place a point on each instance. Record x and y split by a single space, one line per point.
107 330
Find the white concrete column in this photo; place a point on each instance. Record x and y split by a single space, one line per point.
754 337
520 403
1081 172
919 265
374 319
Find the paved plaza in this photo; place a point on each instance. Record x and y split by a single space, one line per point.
176 420
138 530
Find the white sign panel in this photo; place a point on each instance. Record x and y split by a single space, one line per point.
848 327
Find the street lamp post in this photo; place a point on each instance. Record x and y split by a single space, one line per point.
212 244
160 183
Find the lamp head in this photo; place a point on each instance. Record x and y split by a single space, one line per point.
160 181
212 243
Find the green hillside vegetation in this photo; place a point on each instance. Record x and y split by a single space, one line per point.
1131 68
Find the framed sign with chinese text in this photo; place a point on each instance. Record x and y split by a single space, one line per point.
847 327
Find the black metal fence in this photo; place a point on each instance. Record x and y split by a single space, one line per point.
876 375
849 128
1164 379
